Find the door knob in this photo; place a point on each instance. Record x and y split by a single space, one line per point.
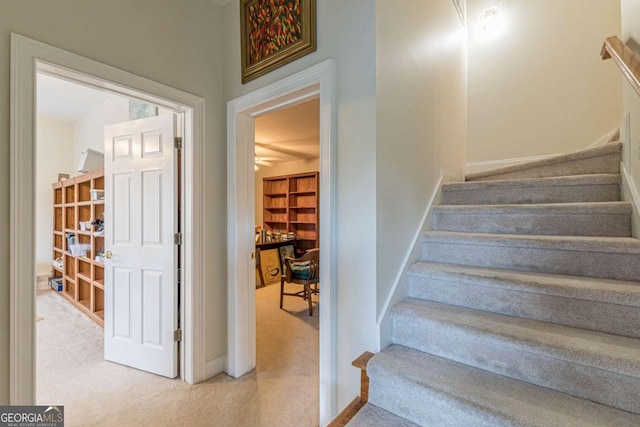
108 255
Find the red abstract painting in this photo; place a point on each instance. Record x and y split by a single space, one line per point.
273 25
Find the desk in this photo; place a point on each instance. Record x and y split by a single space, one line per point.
266 246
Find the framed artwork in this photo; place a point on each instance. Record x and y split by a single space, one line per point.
270 265
274 33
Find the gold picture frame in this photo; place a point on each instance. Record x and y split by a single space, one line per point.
274 33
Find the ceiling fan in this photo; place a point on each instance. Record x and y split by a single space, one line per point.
265 161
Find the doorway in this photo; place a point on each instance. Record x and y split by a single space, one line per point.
286 198
107 208
28 57
314 82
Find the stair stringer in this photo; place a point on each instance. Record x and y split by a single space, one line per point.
398 291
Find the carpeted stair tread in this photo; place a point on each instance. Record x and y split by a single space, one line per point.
433 391
373 416
622 245
607 352
605 159
573 180
596 304
567 189
611 219
604 257
541 208
617 292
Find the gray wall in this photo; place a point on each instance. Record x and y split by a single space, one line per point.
421 120
163 40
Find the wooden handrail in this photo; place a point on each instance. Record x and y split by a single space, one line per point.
350 411
625 59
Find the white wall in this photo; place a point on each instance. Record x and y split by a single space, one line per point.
163 40
346 33
421 120
541 87
285 168
631 99
89 130
55 142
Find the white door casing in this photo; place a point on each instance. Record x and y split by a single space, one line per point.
315 81
141 305
27 57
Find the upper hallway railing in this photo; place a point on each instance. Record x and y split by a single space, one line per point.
625 59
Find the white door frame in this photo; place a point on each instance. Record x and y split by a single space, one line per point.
316 81
27 57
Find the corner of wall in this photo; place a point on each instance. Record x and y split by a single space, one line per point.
398 291
629 187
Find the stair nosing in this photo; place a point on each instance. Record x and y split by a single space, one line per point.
515 339
591 208
556 181
621 245
589 153
502 390
526 282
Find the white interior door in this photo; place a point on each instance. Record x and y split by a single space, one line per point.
141 305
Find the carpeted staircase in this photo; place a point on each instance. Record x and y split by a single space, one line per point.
525 307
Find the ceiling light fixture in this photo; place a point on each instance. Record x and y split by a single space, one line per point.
490 23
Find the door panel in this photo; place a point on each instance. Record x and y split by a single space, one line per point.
141 306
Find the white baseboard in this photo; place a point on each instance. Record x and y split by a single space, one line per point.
215 367
397 291
42 282
630 194
612 136
474 167
448 176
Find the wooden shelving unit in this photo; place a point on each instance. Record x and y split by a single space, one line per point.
291 204
83 277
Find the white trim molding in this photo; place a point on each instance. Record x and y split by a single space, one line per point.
215 366
630 193
27 58
316 81
474 167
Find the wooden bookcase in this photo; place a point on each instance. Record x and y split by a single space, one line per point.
291 204
82 277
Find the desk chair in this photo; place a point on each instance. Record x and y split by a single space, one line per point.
304 271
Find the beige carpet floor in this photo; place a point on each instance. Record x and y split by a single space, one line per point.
282 391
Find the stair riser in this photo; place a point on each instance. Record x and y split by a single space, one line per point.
604 265
597 316
517 361
519 195
612 225
609 163
427 407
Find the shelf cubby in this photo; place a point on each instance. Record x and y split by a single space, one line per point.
291 204
83 190
84 292
83 278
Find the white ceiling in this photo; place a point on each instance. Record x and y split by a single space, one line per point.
61 100
290 134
